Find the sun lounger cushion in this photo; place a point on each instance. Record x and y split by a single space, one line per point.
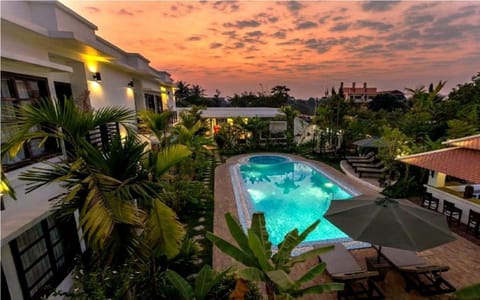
361 160
402 258
367 165
340 261
368 155
418 274
343 267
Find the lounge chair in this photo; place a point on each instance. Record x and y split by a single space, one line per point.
418 274
367 165
369 156
370 171
343 267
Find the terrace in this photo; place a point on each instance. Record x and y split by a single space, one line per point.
460 255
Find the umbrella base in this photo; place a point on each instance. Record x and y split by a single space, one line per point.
382 267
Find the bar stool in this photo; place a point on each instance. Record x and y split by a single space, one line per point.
452 212
473 222
430 202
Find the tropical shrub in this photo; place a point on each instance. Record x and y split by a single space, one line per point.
254 251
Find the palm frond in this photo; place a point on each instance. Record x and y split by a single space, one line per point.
163 231
168 157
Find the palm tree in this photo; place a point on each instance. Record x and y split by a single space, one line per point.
121 212
189 118
158 124
290 115
195 141
182 91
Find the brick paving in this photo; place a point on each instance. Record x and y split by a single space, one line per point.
461 255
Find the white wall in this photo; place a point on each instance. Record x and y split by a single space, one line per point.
22 42
112 90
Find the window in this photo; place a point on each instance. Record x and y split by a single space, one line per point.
153 103
18 90
44 255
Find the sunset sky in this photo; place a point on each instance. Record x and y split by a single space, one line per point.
309 46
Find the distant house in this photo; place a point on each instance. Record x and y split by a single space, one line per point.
217 117
359 94
400 96
50 51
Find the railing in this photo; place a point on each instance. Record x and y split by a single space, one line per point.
101 136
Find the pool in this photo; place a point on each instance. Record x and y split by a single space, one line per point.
267 159
292 194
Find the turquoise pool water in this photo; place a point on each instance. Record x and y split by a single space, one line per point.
292 195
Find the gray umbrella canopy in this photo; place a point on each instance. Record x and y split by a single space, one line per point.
370 143
390 223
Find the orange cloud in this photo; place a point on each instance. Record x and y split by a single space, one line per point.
234 46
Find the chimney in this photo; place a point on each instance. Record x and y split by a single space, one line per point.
353 85
365 97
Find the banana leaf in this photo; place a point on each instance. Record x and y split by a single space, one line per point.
236 231
181 285
260 228
259 252
232 251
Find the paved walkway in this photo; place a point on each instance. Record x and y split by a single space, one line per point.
462 256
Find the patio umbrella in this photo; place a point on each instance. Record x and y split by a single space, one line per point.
390 222
370 143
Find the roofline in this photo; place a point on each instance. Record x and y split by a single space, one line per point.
426 153
447 142
72 13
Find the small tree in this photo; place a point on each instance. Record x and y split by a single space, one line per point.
290 115
396 144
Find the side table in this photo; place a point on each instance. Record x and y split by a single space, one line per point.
382 267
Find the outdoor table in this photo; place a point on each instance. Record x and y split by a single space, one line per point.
382 267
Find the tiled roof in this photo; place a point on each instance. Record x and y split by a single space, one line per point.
470 142
458 162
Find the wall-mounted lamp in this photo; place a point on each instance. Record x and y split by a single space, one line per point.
97 76
130 84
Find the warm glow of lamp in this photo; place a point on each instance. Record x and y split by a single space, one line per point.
95 87
130 92
92 67
123 133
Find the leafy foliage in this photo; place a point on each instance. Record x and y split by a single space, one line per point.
254 251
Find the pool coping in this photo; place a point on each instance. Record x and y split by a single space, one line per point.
224 199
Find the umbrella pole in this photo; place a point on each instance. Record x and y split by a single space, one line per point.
379 250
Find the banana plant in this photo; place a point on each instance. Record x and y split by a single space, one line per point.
254 251
206 279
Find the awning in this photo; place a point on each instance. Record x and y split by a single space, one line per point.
462 163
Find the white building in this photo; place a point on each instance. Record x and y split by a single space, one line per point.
47 50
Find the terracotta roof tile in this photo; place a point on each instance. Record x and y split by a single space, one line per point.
458 162
472 142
